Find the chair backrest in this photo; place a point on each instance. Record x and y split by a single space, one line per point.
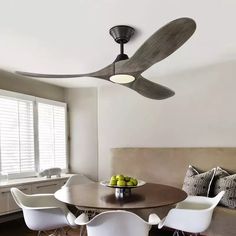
42 211
194 204
117 223
193 214
77 179
200 202
217 198
19 197
35 201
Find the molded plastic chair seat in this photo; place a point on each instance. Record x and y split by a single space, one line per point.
117 223
43 212
192 215
77 179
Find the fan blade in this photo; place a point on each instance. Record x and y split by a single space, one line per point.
141 85
160 45
150 89
51 76
104 73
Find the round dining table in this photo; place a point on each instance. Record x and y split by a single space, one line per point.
96 196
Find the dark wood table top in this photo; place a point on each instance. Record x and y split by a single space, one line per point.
96 196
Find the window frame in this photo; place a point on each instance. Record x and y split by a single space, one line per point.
35 101
56 103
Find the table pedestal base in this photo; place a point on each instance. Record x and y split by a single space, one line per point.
123 192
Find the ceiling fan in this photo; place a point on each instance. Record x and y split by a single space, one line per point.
127 71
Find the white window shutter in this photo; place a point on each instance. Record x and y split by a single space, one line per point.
32 134
52 135
16 136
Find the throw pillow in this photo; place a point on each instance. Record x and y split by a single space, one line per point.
225 182
198 184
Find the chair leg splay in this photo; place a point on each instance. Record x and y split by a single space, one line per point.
176 233
42 233
57 232
181 233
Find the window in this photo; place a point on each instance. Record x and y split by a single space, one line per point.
52 135
16 135
32 134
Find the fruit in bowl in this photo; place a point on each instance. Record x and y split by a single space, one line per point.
113 181
127 178
120 177
134 181
130 184
123 181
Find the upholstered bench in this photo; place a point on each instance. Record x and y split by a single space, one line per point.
169 165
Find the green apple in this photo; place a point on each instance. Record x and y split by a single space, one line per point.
113 182
127 178
113 177
130 183
121 183
135 181
120 177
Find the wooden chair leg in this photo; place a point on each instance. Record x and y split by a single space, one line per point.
82 230
176 233
55 233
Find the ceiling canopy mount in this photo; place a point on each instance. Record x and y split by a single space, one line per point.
121 34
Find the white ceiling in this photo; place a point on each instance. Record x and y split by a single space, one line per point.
72 36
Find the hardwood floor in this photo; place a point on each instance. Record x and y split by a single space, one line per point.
18 228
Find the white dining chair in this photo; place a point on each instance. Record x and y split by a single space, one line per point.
193 215
43 212
77 179
117 223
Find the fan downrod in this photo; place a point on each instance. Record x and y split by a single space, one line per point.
121 34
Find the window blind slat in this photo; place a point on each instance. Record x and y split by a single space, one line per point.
16 135
51 130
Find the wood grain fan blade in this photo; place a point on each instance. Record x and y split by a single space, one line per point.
104 73
161 44
150 89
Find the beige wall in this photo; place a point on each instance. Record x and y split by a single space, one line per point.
82 105
201 114
15 83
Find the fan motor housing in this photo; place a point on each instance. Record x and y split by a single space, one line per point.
122 33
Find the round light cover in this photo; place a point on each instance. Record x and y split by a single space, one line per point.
122 78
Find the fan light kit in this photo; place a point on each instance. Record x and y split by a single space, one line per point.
127 71
122 79
122 35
